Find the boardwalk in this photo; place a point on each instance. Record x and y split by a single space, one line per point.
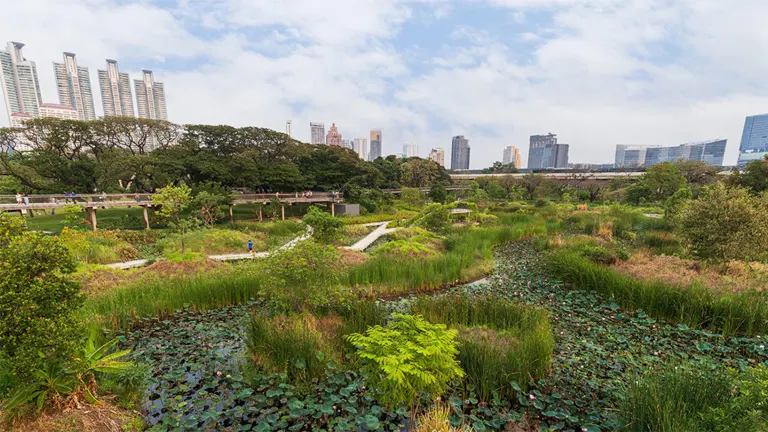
371 237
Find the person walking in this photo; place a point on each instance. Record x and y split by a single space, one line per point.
250 246
73 198
66 197
26 199
18 198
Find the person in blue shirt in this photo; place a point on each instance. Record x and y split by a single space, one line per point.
250 246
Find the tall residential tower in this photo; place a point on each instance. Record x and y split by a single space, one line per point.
73 83
460 153
437 155
116 96
150 97
544 152
18 78
512 156
375 142
317 131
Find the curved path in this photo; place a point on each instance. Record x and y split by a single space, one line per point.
224 257
372 236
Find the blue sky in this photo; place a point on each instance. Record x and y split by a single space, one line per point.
596 72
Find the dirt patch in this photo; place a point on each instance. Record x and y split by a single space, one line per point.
102 280
678 271
85 418
350 258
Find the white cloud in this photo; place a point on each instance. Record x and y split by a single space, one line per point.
601 72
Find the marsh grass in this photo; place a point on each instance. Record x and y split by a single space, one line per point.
464 250
695 305
672 399
500 342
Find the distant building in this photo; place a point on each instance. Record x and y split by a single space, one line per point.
635 156
544 152
361 147
754 139
512 156
289 128
375 142
437 155
59 111
348 144
18 79
317 131
21 143
116 96
334 137
73 83
410 150
150 97
460 153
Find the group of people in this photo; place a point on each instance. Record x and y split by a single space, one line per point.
306 194
22 198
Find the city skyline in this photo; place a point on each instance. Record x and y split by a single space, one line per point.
20 85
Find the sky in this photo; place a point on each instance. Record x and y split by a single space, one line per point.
595 72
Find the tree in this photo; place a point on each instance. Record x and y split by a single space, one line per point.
172 201
660 181
675 204
754 177
725 224
38 299
438 194
500 168
407 359
211 207
325 227
531 183
697 172
411 196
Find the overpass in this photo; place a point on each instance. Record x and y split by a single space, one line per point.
92 202
600 176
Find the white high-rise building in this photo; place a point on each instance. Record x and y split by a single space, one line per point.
150 97
289 128
74 86
317 131
116 96
18 78
410 150
362 148
438 156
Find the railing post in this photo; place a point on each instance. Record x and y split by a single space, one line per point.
282 207
231 216
92 215
146 216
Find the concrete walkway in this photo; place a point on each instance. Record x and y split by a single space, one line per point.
371 237
224 257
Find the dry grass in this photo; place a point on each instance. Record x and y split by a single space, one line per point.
436 419
349 258
84 418
678 271
605 231
105 279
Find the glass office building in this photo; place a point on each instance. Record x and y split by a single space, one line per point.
754 139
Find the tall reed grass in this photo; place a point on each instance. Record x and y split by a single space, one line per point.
465 251
500 342
672 399
744 313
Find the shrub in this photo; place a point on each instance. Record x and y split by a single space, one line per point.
434 217
326 227
173 200
747 411
37 299
726 224
675 204
598 254
407 359
210 207
411 196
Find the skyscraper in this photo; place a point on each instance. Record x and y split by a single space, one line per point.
437 155
150 97
317 131
512 156
544 152
349 144
73 83
288 128
116 96
410 150
754 139
333 137
375 152
18 78
460 153
362 148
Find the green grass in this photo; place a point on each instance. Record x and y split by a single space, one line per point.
211 241
500 342
672 399
106 218
694 305
465 250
